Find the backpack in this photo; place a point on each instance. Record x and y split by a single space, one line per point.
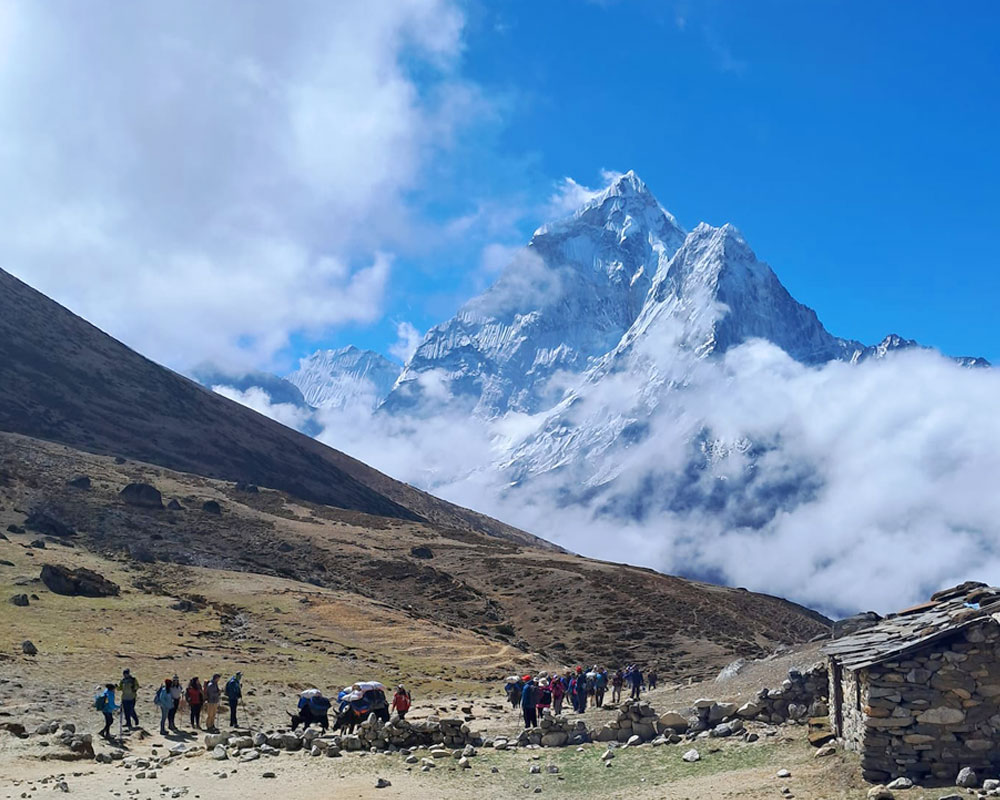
232 687
545 699
100 702
402 702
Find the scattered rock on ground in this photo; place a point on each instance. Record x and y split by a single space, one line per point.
47 523
142 495
79 582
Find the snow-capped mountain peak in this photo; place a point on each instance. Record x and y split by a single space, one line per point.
344 377
564 301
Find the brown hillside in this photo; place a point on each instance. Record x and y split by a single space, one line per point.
63 380
549 607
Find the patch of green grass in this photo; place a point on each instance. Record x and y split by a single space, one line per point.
584 774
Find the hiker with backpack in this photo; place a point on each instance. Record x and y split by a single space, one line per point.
600 686
401 701
635 679
129 688
651 679
558 690
543 698
105 703
528 703
234 691
212 696
195 697
617 681
580 691
165 701
176 692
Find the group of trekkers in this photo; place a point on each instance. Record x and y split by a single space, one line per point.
356 703
534 694
198 695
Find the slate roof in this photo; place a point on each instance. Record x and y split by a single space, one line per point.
948 612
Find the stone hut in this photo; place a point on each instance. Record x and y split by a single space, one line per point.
917 695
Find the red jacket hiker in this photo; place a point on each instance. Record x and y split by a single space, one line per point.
401 702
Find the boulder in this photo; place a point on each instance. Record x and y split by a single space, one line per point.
691 756
421 551
247 488
79 482
79 582
19 600
173 505
28 648
721 711
141 495
211 507
748 710
15 529
967 778
674 721
47 523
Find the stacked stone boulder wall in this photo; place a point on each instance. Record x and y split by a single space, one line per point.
554 730
929 713
802 695
452 732
395 735
634 718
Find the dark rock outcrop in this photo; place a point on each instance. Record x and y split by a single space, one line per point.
421 552
77 582
142 495
173 505
19 600
47 523
211 507
15 529
79 482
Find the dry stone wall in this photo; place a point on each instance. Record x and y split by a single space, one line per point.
931 713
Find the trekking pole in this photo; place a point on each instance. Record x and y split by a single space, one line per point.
121 738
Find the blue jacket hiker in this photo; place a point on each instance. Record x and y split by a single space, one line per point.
528 705
105 703
165 701
234 691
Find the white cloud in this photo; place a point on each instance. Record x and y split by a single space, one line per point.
203 181
874 487
570 195
407 341
260 401
496 257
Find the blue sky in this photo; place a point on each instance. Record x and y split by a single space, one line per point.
244 182
853 144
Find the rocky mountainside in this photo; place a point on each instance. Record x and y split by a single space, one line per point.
344 378
401 582
63 380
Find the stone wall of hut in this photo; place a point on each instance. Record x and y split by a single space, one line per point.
929 713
